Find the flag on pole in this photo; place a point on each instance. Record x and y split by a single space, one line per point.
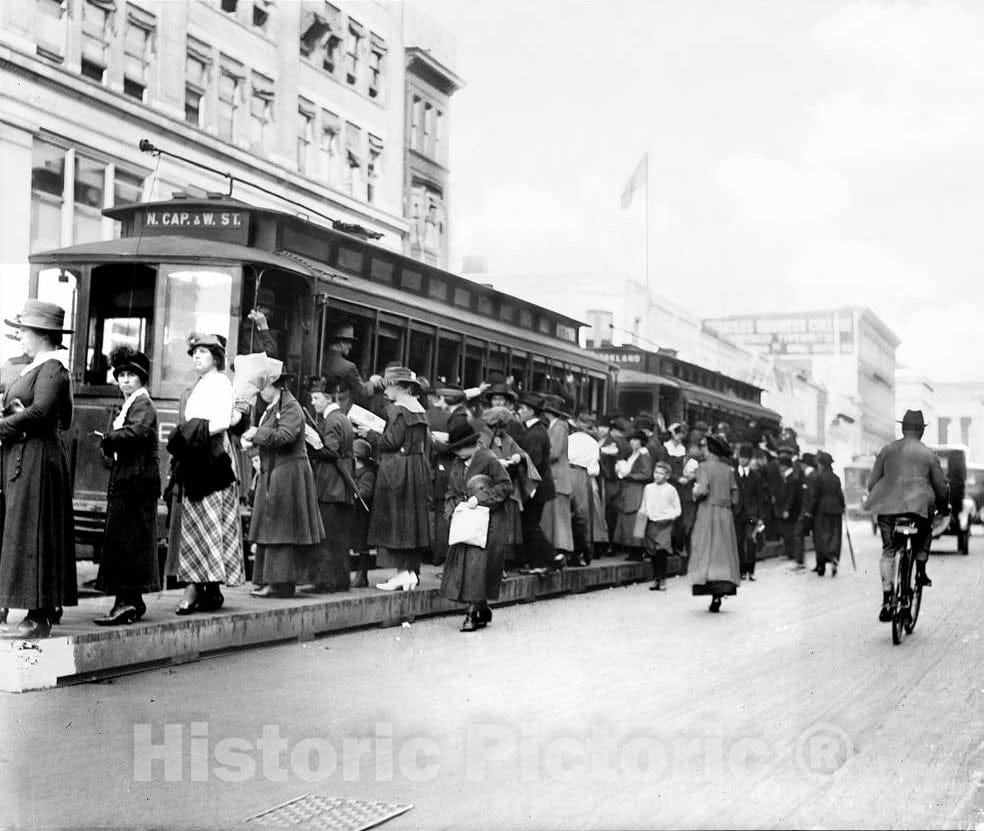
639 177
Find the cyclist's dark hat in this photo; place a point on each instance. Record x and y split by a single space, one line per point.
914 419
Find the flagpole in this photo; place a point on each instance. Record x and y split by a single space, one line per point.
647 226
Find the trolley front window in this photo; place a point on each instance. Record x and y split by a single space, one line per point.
196 300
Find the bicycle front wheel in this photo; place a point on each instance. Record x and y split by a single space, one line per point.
899 609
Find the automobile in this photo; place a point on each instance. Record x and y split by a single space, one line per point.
953 458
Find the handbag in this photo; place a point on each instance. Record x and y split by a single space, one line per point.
469 526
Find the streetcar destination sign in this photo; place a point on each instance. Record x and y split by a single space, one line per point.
225 225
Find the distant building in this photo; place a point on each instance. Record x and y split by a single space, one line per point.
849 351
307 99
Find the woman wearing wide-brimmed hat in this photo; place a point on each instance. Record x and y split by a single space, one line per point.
37 554
128 566
399 523
286 524
714 568
205 545
472 574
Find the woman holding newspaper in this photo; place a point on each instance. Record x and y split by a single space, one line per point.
478 489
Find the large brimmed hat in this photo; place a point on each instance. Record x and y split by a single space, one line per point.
448 391
914 419
344 332
36 314
719 446
825 459
399 375
533 400
497 416
501 389
462 435
213 342
125 359
555 405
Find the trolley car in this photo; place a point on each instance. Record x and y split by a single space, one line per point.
197 264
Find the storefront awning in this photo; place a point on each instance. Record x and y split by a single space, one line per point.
729 403
166 249
634 377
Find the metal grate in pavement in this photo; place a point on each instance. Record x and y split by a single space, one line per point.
322 813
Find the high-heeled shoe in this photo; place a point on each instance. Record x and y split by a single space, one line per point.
403 581
117 616
470 624
361 581
4 611
28 629
141 608
212 598
483 616
715 605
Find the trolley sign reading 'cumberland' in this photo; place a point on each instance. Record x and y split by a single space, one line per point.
196 265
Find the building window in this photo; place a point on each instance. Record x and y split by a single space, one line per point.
229 5
47 195
329 146
52 29
230 94
97 20
69 190
305 135
944 431
197 72
965 430
377 57
261 113
374 168
261 13
353 160
333 51
427 222
138 45
353 51
416 123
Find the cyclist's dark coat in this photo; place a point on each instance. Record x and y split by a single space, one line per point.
907 478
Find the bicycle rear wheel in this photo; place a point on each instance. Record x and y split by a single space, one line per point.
915 603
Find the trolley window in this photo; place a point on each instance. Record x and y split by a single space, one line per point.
421 357
121 313
197 299
61 286
449 357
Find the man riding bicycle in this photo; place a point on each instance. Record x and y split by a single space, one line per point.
905 481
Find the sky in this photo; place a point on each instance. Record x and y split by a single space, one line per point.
802 155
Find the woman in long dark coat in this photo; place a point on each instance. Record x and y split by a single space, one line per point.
634 474
504 447
286 524
399 522
825 506
128 567
714 568
330 439
471 574
37 565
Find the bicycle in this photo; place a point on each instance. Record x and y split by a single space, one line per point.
906 590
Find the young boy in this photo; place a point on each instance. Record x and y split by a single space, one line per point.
661 506
365 481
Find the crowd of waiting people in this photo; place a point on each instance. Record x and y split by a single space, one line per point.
480 482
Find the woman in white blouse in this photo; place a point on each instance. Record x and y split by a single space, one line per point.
206 547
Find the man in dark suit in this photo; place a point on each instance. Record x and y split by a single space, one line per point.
788 494
340 370
538 553
614 448
751 508
906 480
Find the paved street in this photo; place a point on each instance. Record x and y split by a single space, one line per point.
618 708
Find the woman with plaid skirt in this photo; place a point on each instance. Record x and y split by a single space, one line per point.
205 542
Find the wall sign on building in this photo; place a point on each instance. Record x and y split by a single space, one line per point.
815 333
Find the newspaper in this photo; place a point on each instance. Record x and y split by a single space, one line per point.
361 417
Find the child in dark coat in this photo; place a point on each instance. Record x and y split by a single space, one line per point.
365 481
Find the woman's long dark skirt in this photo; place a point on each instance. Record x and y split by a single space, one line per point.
129 552
330 568
471 574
